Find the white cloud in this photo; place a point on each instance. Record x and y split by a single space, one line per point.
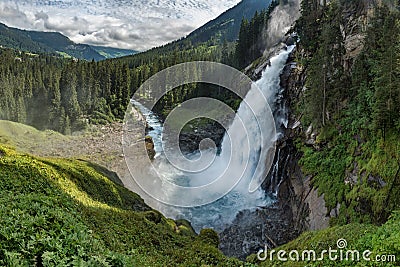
138 25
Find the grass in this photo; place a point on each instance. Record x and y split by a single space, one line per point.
22 136
375 194
383 240
64 55
61 212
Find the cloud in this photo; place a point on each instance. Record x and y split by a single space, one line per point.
138 25
9 13
41 16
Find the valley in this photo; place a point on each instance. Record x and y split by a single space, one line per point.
98 168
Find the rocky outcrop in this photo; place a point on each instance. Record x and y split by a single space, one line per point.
252 230
355 21
281 20
189 140
150 147
307 205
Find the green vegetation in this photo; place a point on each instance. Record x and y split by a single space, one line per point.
382 240
65 212
52 91
63 95
110 52
23 136
354 107
252 38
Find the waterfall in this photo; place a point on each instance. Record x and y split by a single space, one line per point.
244 195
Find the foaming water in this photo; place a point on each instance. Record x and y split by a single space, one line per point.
249 141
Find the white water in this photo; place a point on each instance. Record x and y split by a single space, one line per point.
241 156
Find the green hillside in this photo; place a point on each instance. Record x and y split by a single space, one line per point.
61 43
111 52
63 212
56 43
226 27
14 38
383 243
45 42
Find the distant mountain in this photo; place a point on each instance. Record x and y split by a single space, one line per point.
54 42
226 27
63 44
18 39
111 52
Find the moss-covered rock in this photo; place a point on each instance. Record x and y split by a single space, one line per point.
185 227
209 236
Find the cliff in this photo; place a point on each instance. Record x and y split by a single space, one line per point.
305 203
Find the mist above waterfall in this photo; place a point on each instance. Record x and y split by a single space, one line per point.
247 151
281 20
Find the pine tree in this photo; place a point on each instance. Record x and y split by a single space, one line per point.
69 98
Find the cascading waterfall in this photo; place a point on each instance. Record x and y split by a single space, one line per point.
219 214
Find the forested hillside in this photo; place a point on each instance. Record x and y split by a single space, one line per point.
45 42
49 92
351 102
226 27
56 44
346 133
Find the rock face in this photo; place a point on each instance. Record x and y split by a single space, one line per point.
308 208
189 141
150 147
298 206
252 230
282 19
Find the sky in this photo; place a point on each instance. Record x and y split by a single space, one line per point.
129 24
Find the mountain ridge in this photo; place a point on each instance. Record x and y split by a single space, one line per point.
57 43
233 18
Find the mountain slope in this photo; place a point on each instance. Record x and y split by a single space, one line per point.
61 43
54 42
111 52
226 27
15 38
45 42
67 213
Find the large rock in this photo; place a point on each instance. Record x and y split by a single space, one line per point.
252 230
150 147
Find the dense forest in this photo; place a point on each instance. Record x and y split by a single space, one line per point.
53 93
49 92
353 104
69 212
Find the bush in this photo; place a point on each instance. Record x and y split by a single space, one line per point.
209 236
